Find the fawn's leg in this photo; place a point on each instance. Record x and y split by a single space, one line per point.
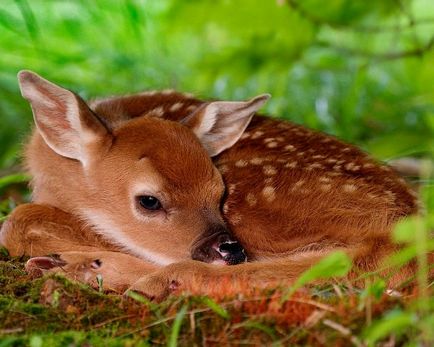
34 230
201 277
38 230
118 271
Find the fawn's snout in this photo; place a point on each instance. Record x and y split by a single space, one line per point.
218 246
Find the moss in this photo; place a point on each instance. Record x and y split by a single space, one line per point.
53 311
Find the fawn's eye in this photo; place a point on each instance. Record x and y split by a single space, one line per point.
149 202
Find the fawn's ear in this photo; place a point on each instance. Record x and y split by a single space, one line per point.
63 119
220 124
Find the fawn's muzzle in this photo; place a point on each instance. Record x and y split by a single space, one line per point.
218 246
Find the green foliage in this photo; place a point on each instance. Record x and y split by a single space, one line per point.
215 307
337 264
394 323
362 70
12 179
173 340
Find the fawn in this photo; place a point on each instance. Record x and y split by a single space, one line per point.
153 189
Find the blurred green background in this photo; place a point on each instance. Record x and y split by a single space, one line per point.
362 70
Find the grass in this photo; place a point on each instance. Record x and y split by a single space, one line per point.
52 311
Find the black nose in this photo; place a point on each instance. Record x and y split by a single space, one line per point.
232 252
218 246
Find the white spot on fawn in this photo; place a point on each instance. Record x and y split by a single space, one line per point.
291 165
299 183
284 125
352 167
314 166
176 106
272 144
225 208
149 92
188 95
246 135
235 219
349 188
289 148
191 108
326 187
167 91
390 194
269 170
156 112
269 193
257 134
257 161
231 188
241 163
251 199
223 169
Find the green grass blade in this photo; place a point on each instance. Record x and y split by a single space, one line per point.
216 307
337 264
176 328
13 179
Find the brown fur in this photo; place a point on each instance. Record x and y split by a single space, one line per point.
292 196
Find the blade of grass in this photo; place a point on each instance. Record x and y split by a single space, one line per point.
216 307
176 327
13 179
337 264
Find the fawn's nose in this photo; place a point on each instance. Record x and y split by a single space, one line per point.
230 250
218 246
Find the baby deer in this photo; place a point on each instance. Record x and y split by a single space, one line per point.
153 189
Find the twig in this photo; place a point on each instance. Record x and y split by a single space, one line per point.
11 331
99 325
344 331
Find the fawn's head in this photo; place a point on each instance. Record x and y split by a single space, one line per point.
149 184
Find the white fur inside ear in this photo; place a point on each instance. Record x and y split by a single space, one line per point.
222 123
30 92
208 120
57 116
